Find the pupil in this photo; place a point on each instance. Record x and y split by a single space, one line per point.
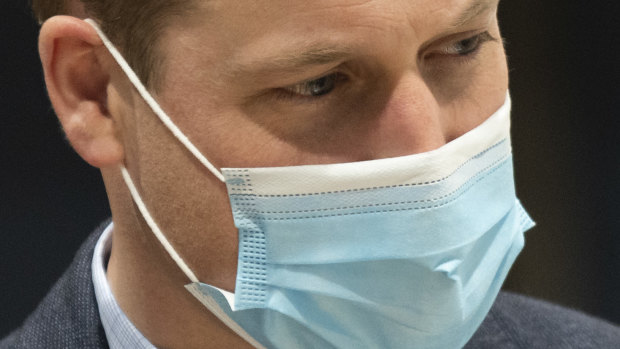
468 45
322 86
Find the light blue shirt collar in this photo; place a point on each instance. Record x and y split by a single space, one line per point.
120 332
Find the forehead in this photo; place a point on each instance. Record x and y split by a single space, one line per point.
256 16
224 35
283 8
243 22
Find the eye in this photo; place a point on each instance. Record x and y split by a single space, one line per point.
315 88
467 46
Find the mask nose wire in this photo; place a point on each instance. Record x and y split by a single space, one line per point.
165 119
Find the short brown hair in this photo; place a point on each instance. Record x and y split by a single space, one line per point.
133 26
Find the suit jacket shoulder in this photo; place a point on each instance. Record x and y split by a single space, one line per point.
517 321
68 316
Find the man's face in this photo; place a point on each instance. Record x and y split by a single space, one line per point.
256 83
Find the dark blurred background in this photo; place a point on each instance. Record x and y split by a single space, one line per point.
564 58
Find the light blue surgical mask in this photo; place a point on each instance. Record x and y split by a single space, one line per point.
406 252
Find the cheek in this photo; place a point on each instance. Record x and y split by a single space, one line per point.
471 99
456 78
481 101
491 84
188 202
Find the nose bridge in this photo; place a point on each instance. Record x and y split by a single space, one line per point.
410 120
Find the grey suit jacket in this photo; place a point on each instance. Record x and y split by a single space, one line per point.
68 318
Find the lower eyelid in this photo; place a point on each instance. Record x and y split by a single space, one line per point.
483 38
288 93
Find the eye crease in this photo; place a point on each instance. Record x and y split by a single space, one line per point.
324 85
315 88
467 46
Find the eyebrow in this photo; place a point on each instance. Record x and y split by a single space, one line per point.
318 54
475 9
293 61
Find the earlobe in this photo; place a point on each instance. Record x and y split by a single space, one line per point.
77 84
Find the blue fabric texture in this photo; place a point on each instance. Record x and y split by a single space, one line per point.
68 318
437 253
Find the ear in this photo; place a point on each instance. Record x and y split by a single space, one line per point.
77 82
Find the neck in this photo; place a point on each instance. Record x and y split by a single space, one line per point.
149 288
150 292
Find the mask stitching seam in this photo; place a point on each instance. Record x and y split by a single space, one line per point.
382 204
462 189
253 269
234 186
253 212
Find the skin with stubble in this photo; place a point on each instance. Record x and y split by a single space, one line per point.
258 83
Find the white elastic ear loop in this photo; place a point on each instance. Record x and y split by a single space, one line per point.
152 103
210 303
213 306
155 228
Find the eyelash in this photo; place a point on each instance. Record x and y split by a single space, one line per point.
477 40
306 90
